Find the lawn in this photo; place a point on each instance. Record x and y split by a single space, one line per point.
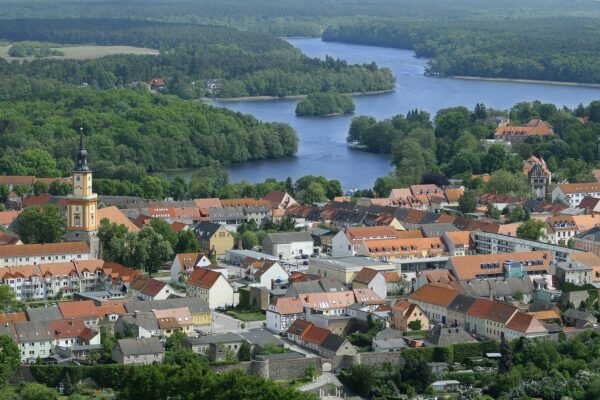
84 52
247 316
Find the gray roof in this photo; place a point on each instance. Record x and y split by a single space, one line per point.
195 305
498 288
592 234
582 315
219 338
146 320
319 286
573 266
251 253
33 331
435 230
333 342
397 343
461 303
288 237
131 347
388 333
444 336
320 231
50 313
205 229
538 305
226 213
256 210
261 337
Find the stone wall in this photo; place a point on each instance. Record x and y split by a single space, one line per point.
291 369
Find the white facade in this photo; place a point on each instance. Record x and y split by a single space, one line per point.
28 259
291 250
272 273
377 284
341 246
220 294
177 269
572 199
280 323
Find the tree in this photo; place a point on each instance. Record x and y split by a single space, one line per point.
517 213
506 356
164 229
360 378
415 325
244 351
106 232
35 391
153 249
187 242
314 193
4 191
41 225
467 203
175 341
39 188
10 358
531 229
492 212
8 300
310 372
178 189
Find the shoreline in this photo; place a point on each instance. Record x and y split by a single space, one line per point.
290 97
529 81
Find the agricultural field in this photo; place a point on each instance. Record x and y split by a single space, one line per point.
82 52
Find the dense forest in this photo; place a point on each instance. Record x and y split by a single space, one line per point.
245 64
128 131
554 49
325 104
453 144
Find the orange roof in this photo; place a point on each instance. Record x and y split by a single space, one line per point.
438 275
116 216
17 180
177 226
589 187
480 308
460 237
13 317
39 200
533 127
585 257
208 203
525 323
391 276
424 247
289 305
111 308
414 234
545 315
78 309
315 335
585 222
380 202
473 266
8 217
367 296
64 329
401 305
327 300
453 195
187 213
365 275
298 327
44 249
397 194
188 260
168 323
425 189
436 295
204 278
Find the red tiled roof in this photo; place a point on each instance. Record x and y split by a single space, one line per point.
204 278
298 327
116 216
365 275
315 335
78 309
44 249
437 295
8 217
65 329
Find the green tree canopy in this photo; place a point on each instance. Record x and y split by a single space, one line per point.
41 225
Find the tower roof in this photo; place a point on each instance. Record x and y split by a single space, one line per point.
82 165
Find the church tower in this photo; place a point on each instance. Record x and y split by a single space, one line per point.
82 204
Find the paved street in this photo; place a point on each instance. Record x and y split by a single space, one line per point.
324 378
224 323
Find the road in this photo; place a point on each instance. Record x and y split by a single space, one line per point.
223 323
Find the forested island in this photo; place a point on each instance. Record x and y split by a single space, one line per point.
325 104
452 144
242 63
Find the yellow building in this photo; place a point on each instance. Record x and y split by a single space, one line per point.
214 238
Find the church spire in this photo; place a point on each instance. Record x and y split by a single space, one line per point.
81 155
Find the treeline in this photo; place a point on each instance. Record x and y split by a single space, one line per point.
33 49
553 48
325 104
129 133
453 143
244 63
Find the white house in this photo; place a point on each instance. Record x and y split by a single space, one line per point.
288 245
283 312
371 279
30 254
346 243
185 263
212 288
264 272
151 289
573 193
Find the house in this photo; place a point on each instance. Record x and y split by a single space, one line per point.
487 266
230 216
587 241
8 217
576 273
157 84
344 269
85 311
439 277
444 336
434 301
151 289
213 238
399 249
488 318
185 263
201 313
459 243
524 325
445 386
138 325
539 176
580 319
288 245
516 134
393 282
215 347
173 320
502 289
235 257
574 298
141 351
387 341
408 317
212 288
283 312
265 272
371 279
324 342
30 254
573 193
258 339
560 229
345 243
279 199
591 205
457 310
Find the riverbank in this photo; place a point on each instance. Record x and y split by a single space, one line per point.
529 81
293 97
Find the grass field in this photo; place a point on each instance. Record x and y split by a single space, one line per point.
247 316
84 52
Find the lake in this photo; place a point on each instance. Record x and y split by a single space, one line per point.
323 149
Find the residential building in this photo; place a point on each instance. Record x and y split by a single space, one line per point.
231 216
344 269
151 289
201 313
30 254
438 277
288 245
573 193
560 229
434 301
115 216
345 243
173 320
212 288
265 272
516 134
279 199
283 312
539 176
445 336
502 289
488 318
141 351
235 257
487 266
588 241
459 243
457 310
371 279
398 249
580 319
576 273
215 347
213 238
387 341
405 315
326 343
185 263
524 325
138 325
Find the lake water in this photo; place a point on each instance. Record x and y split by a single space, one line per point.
323 149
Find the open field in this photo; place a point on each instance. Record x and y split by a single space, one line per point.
83 52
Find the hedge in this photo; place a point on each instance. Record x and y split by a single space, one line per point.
453 353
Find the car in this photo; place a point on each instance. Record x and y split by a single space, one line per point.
305 263
300 257
305 256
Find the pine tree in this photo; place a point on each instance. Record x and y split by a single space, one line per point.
506 357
